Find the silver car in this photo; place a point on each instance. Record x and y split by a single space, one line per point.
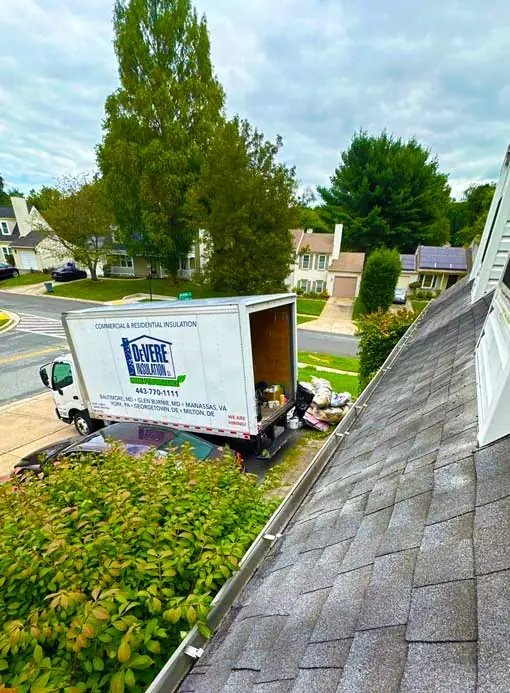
400 296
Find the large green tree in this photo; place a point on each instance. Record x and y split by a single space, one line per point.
5 195
44 198
81 220
159 123
245 200
388 192
468 215
311 215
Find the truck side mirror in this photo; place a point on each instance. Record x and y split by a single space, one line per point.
43 373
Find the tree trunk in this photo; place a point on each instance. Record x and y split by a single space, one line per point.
93 271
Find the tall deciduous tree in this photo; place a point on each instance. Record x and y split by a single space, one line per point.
159 123
245 200
468 216
388 192
80 218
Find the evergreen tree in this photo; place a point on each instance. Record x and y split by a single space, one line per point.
159 123
380 278
388 192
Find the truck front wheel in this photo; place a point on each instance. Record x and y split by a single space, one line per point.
82 423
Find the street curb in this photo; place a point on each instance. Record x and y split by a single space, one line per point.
69 298
13 321
26 400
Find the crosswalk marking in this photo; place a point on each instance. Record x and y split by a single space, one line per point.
36 324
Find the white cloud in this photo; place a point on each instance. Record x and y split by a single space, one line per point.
311 70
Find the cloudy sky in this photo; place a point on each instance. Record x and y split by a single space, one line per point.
313 71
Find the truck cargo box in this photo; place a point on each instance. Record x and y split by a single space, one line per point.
192 365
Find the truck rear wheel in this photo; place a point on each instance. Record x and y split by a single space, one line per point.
82 423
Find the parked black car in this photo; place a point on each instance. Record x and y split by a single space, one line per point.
7 271
67 273
137 438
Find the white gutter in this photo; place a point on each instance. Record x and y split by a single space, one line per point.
191 648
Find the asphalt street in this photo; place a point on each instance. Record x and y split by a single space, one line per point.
37 340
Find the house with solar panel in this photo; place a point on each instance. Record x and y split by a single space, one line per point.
435 268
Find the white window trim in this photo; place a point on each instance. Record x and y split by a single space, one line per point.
322 285
308 260
318 262
428 277
301 283
5 228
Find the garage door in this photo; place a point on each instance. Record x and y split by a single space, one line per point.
27 259
344 287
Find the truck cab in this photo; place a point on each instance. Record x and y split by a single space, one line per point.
59 377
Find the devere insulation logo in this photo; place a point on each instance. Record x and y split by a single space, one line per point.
150 361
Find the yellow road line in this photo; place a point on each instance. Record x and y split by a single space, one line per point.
30 354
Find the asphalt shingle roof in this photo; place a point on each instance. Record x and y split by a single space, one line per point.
7 213
31 240
394 574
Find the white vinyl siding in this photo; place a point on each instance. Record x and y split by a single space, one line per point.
321 262
305 262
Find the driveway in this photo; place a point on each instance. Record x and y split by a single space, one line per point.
336 318
26 426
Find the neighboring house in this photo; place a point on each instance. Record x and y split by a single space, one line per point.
490 259
23 243
392 572
436 268
321 266
122 264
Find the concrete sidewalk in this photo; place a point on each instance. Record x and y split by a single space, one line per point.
336 318
26 426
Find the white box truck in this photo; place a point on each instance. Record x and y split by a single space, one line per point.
195 365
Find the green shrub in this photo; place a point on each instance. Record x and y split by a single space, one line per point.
379 332
380 277
359 309
105 565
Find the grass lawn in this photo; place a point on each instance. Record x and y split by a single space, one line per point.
25 280
418 306
113 289
339 382
310 306
303 318
341 363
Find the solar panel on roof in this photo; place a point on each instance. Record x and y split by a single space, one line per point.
443 258
408 262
